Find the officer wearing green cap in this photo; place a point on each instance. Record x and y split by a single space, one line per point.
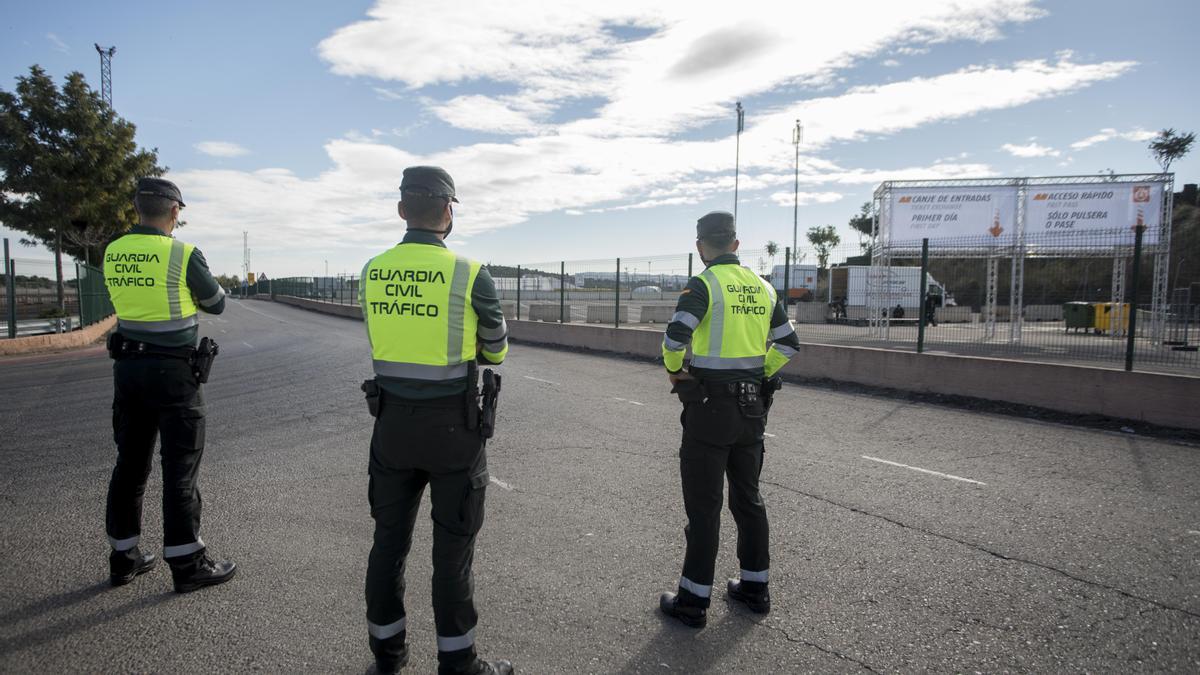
740 337
158 284
431 315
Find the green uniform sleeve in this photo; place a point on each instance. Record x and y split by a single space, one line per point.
689 311
210 297
784 343
493 330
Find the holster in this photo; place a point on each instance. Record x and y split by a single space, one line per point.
471 397
490 401
770 385
371 389
689 391
115 342
202 359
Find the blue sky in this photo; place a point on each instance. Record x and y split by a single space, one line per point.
584 132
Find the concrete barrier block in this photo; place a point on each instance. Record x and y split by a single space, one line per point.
1043 313
656 313
604 314
953 314
509 309
546 311
811 312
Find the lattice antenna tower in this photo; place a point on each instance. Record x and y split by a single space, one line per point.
106 72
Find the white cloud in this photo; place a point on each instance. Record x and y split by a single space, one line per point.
506 115
789 198
57 44
1031 149
1111 134
890 63
221 149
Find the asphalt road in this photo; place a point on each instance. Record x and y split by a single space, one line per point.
1064 549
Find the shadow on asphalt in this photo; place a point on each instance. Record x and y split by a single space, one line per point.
74 621
691 650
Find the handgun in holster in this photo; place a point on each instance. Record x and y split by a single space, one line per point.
471 397
491 399
770 385
202 359
371 389
115 343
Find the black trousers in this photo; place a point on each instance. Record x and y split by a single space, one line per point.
416 444
157 397
718 441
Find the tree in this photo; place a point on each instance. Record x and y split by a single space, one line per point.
772 251
864 225
68 166
824 239
1169 146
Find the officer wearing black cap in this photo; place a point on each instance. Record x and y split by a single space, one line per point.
431 315
158 284
740 337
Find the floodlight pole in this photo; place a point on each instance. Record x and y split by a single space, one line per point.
797 139
106 72
737 157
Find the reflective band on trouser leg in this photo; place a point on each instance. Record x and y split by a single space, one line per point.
732 363
174 274
183 549
759 577
390 630
458 309
417 371
453 644
694 588
124 544
159 326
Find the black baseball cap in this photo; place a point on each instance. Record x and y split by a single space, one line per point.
716 225
159 187
430 181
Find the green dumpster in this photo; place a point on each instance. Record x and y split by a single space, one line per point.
1079 315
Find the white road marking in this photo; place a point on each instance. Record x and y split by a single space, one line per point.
538 379
768 435
499 482
917 468
625 400
248 344
1196 532
637 403
273 318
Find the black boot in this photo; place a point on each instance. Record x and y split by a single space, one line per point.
753 595
391 655
690 615
195 572
123 566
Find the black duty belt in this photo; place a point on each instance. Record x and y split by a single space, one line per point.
730 389
454 401
127 348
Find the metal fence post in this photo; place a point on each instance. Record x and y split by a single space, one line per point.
562 291
79 298
10 279
923 300
518 292
1133 290
617 295
787 276
689 266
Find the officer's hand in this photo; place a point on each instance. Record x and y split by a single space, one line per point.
676 378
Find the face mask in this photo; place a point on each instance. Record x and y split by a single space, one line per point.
450 227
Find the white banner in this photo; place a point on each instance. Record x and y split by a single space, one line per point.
1067 212
953 212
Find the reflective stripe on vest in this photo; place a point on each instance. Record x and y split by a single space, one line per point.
420 322
733 333
146 275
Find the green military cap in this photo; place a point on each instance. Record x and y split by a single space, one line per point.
159 187
430 181
716 225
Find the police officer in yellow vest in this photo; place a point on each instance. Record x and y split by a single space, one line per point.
430 316
740 337
157 284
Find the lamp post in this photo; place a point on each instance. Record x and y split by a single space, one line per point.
737 157
797 139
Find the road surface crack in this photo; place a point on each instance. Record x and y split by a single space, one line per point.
988 551
824 650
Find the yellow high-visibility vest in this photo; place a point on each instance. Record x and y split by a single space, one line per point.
416 301
146 275
733 333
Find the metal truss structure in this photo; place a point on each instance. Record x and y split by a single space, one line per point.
106 73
